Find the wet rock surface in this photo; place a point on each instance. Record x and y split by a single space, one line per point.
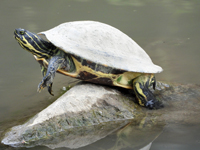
90 112
182 102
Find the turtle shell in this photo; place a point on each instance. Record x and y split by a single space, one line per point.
101 43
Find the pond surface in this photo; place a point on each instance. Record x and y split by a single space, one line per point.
167 30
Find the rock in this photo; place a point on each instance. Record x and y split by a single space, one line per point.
89 112
82 106
182 102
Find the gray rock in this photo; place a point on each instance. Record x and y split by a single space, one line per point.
82 106
88 112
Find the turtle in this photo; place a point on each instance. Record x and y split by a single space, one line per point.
95 52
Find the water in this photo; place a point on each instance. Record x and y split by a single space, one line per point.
168 31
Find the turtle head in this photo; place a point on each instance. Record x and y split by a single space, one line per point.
144 95
34 43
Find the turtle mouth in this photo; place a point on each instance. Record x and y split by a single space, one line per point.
16 36
19 37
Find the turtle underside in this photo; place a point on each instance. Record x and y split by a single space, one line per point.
96 73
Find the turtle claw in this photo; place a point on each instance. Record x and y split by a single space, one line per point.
43 84
154 104
50 89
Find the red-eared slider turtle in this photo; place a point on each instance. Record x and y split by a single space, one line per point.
94 52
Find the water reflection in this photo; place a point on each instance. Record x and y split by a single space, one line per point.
138 135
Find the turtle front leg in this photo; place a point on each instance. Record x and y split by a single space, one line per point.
141 88
55 63
43 70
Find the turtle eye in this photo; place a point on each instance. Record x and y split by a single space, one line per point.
21 32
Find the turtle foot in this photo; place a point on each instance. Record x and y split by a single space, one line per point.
154 104
46 82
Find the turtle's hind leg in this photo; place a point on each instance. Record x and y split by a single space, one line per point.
55 63
141 88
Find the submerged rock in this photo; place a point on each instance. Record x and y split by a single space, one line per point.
89 112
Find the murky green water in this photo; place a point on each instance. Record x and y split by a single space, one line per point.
168 30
